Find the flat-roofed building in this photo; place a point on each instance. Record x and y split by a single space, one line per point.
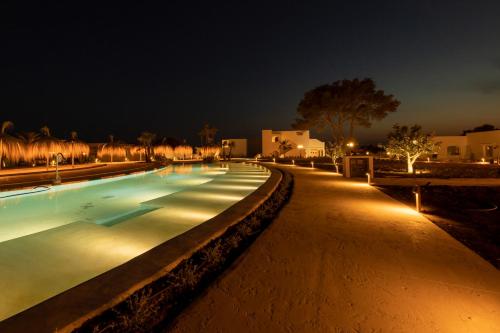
300 143
474 146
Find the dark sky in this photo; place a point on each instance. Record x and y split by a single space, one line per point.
242 66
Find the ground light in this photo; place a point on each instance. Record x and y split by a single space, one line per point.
418 198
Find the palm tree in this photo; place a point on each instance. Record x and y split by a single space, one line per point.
146 140
10 147
207 135
229 144
284 147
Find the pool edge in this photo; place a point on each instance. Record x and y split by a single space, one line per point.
68 310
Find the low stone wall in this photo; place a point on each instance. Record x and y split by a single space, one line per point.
441 170
151 289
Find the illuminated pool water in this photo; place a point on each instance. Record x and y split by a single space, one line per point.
56 238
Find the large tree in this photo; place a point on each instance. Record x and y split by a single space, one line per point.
146 139
482 128
344 105
409 143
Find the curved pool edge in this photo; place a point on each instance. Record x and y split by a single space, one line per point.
70 309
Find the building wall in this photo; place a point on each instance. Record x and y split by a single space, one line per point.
301 142
445 145
473 146
479 143
239 149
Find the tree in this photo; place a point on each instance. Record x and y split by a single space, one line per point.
146 140
409 143
284 147
207 135
229 145
482 128
344 104
335 152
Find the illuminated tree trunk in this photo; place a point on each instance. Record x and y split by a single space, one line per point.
410 162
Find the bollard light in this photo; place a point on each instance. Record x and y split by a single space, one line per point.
418 198
293 162
369 178
312 164
274 160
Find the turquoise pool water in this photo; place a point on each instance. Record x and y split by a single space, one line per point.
53 239
105 201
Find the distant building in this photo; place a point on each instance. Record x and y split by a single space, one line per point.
301 144
473 146
238 149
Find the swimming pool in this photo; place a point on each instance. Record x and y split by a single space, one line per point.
52 239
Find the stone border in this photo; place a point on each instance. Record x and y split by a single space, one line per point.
67 311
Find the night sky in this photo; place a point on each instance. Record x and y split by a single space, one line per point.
170 68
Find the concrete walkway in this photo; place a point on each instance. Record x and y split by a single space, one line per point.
344 257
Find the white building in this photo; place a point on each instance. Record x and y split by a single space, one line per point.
473 146
302 145
238 149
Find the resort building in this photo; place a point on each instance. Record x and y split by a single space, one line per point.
474 146
301 145
237 147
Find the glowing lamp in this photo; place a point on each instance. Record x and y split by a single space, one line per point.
300 146
312 164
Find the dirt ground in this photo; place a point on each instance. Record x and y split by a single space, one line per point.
465 212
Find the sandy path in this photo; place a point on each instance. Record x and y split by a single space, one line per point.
344 257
